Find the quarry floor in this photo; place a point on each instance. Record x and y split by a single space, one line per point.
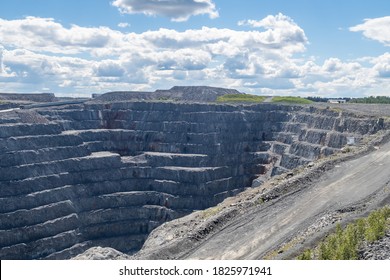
248 227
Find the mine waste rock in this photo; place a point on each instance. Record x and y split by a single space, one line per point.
35 97
108 173
177 93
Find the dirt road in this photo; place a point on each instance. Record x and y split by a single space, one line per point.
252 235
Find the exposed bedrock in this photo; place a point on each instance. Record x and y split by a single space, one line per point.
107 174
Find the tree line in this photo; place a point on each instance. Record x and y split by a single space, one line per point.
372 100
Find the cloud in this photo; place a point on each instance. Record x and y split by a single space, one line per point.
2 68
44 34
337 78
37 53
271 21
279 28
227 41
30 67
47 35
109 69
336 66
184 59
177 10
124 24
382 65
377 29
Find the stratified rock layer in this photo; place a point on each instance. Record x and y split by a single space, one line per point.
107 174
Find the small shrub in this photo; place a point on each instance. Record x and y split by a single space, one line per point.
305 255
376 225
360 228
325 252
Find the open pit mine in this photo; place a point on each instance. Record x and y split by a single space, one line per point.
106 172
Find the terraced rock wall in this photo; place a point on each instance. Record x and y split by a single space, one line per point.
107 174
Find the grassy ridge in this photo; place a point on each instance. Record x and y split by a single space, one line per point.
240 98
291 99
344 243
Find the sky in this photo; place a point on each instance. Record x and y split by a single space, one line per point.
333 48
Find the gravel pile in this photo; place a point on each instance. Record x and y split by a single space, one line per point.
124 96
186 94
321 223
29 116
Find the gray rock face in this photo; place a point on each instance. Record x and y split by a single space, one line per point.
107 174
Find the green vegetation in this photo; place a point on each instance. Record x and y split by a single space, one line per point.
344 243
372 100
305 255
240 98
291 99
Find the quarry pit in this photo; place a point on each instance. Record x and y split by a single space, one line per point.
104 173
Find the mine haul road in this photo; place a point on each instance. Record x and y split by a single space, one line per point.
262 229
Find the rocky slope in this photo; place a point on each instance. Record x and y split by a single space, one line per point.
108 173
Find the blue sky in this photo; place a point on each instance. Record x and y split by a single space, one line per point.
268 47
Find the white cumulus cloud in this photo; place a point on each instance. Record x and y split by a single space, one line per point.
382 65
37 53
177 10
279 28
44 34
376 29
124 24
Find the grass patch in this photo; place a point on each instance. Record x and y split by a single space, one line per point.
305 255
241 98
291 99
344 243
